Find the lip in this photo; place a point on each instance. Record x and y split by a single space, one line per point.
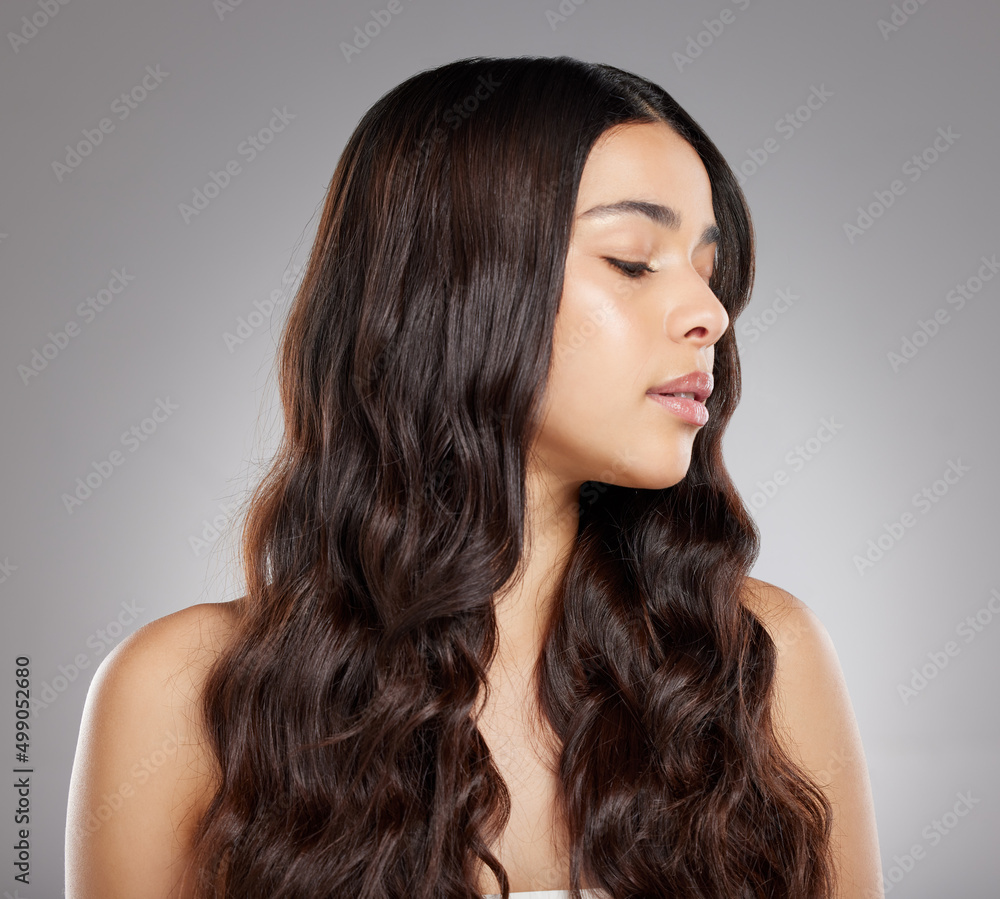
693 411
700 383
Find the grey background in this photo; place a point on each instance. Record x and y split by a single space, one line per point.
65 574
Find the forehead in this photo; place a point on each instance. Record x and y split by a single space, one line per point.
648 161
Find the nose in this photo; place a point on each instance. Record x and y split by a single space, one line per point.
694 313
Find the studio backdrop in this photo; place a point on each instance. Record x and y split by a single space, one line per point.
163 166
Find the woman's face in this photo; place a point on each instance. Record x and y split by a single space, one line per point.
617 337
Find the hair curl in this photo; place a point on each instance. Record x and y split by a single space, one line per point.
343 713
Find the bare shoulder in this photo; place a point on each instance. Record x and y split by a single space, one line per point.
778 610
188 638
815 721
808 673
144 771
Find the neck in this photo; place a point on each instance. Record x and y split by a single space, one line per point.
524 605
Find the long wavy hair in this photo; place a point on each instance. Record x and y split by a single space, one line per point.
343 713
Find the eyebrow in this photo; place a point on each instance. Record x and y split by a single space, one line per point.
656 212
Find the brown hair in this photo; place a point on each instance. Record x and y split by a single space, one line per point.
411 371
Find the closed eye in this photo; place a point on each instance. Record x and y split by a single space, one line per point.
631 269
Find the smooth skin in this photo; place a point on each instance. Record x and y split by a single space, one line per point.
616 336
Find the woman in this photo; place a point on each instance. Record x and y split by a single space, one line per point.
498 633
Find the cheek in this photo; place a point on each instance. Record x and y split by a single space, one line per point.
597 355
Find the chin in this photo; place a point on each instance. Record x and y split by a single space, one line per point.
657 479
